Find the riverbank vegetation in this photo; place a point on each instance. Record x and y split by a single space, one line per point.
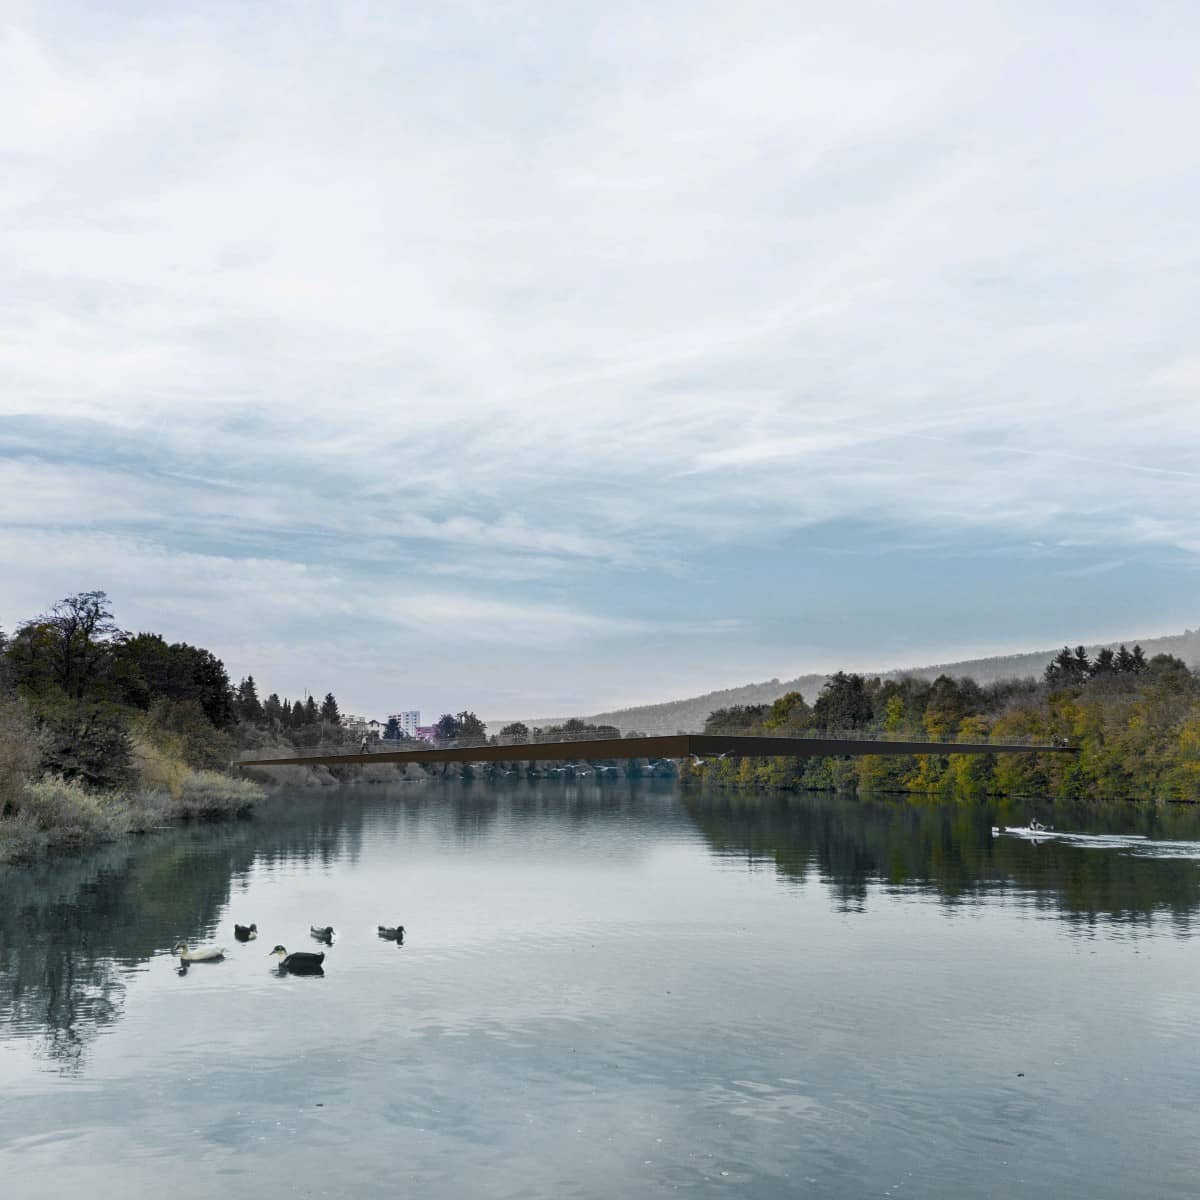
1135 721
104 732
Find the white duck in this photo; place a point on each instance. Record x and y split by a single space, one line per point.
201 954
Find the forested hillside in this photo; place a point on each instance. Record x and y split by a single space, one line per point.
690 713
1134 719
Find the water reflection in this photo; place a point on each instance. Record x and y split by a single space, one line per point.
74 931
853 844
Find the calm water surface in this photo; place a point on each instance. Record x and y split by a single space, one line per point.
610 989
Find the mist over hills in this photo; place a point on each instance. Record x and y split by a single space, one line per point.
689 714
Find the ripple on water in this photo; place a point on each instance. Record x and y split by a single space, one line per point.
600 996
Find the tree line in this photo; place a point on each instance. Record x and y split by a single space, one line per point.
283 714
1134 720
94 692
574 729
465 728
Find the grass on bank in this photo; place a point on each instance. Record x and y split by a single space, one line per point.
38 815
57 814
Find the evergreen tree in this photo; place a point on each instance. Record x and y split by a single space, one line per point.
311 713
446 728
391 731
1139 659
1105 664
739 718
1124 660
297 715
1069 668
843 703
248 706
329 710
273 709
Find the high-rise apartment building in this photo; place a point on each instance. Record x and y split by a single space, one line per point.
408 721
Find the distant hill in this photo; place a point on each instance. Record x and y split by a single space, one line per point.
689 714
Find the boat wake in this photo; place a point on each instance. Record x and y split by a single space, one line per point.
1129 843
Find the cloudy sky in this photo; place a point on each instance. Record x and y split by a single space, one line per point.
535 358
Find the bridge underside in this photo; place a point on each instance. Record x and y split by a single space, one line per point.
679 745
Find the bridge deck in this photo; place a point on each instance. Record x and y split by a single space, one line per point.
678 745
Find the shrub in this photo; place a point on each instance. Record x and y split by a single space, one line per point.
209 796
158 768
181 729
21 840
154 808
20 753
88 742
69 813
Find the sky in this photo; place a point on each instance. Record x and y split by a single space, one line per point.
540 358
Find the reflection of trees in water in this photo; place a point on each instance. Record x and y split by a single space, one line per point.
320 828
472 810
72 929
473 807
855 843
48 979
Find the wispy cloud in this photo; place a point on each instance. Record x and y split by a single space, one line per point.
553 322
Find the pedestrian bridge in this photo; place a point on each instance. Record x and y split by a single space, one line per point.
701 746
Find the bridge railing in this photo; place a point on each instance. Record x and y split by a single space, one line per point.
593 735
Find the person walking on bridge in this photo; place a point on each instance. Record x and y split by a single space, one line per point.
363 747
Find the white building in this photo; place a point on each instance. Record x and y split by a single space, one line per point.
360 726
408 721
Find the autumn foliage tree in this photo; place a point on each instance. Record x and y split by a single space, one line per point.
1135 723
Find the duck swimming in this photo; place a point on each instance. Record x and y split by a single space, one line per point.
323 933
392 933
201 954
245 933
301 963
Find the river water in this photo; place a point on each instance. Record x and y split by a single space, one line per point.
610 989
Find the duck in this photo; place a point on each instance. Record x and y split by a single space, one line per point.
323 933
392 933
201 954
300 963
245 933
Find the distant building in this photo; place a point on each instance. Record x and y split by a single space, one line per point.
427 733
407 721
360 726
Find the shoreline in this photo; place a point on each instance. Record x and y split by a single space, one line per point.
55 816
